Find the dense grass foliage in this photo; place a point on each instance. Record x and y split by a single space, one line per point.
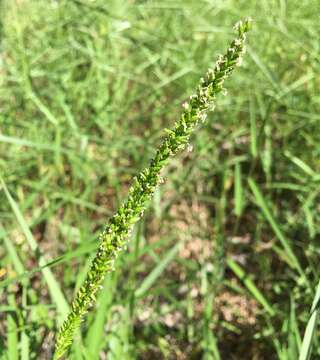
225 264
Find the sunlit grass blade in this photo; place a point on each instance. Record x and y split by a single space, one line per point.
305 351
293 260
95 335
12 331
294 339
253 130
156 272
75 254
238 190
11 250
250 285
54 288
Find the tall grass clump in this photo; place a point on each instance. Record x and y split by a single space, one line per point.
114 237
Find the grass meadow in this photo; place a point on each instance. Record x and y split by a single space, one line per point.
224 263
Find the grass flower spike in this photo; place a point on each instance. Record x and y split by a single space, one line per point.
115 236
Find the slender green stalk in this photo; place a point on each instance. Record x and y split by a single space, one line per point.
115 236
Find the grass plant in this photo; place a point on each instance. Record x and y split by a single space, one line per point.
224 262
114 238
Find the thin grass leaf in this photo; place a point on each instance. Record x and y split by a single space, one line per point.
238 190
293 260
156 272
301 164
305 351
19 268
24 346
253 130
250 285
294 339
54 288
12 331
96 334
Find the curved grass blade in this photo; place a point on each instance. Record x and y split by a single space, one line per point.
305 351
54 288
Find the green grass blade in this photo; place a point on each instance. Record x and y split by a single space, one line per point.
293 260
19 268
253 130
250 285
238 190
96 333
12 332
156 272
301 164
25 346
305 351
54 288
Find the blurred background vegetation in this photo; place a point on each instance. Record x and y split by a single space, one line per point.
86 88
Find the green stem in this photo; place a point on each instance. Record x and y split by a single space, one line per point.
115 236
